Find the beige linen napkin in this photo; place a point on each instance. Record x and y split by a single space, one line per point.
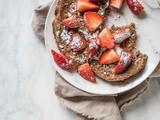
88 106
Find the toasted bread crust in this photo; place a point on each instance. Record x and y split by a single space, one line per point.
130 43
107 72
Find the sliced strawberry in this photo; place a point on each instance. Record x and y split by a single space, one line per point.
95 1
77 42
71 22
109 56
62 61
85 5
121 35
86 72
93 20
116 3
92 48
124 62
135 6
106 38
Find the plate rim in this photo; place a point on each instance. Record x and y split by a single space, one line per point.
47 49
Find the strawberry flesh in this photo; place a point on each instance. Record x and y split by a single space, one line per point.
109 56
93 20
135 6
121 35
77 42
117 3
86 72
106 38
85 5
93 48
124 62
62 61
71 22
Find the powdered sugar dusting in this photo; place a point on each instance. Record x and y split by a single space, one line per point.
80 59
120 37
87 34
125 59
57 33
69 14
72 9
66 35
76 42
69 61
93 45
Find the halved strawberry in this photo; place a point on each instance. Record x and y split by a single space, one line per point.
95 1
124 62
121 35
106 38
85 5
109 56
77 42
116 3
86 72
93 20
135 6
62 61
71 22
93 48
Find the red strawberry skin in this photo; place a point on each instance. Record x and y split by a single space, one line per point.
121 35
93 20
77 42
109 56
117 3
135 6
85 5
62 61
124 62
86 72
71 22
93 48
106 39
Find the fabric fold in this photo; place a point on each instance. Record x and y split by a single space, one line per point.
86 104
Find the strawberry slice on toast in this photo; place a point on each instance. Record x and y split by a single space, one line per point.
117 3
77 42
93 20
62 61
85 5
121 35
109 56
86 72
71 22
106 38
124 62
93 48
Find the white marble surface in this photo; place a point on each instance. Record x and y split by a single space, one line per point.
27 79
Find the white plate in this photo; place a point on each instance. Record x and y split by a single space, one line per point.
149 41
